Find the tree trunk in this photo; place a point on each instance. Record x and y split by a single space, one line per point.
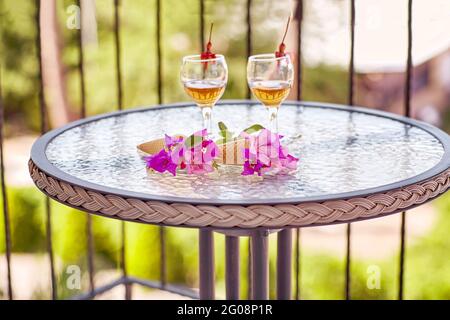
52 67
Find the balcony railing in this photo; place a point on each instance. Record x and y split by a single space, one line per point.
205 239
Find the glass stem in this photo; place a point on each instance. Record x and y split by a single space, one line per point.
273 118
206 112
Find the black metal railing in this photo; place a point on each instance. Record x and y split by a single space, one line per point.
408 77
206 239
44 129
351 76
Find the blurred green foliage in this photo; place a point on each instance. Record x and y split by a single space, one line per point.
18 63
180 36
446 120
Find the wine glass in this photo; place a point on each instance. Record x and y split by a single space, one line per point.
204 80
270 79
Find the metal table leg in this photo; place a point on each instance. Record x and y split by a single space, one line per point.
284 264
260 265
232 267
206 264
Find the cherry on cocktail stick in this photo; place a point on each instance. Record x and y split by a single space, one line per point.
282 46
207 54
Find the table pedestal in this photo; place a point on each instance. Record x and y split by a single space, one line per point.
260 265
232 267
259 261
284 264
206 264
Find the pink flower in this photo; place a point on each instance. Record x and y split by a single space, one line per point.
250 169
197 153
161 162
288 162
172 141
199 168
177 153
199 159
265 152
175 146
263 147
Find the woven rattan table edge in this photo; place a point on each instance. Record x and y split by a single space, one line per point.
240 216
38 155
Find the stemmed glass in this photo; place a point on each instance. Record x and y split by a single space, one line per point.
270 79
204 80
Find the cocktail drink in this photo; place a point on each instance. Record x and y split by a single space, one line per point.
204 77
270 79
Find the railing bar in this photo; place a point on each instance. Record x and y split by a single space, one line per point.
249 270
44 128
402 256
249 37
206 237
90 240
50 247
162 231
81 67
351 66
90 244
248 96
408 114
118 53
297 265
202 24
299 16
159 51
163 259
7 226
120 107
186 292
101 289
124 260
180 290
42 104
348 235
351 72
409 63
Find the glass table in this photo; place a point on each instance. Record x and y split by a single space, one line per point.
355 164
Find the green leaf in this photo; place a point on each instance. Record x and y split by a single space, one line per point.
254 128
193 140
222 126
226 134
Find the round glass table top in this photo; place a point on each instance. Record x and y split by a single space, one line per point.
343 152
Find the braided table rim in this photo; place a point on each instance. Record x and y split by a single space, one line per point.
239 216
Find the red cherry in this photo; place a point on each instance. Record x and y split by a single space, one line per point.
282 46
207 54
209 44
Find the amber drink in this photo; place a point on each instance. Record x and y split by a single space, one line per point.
270 93
204 93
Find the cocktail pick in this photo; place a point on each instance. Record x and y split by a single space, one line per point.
282 46
207 54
